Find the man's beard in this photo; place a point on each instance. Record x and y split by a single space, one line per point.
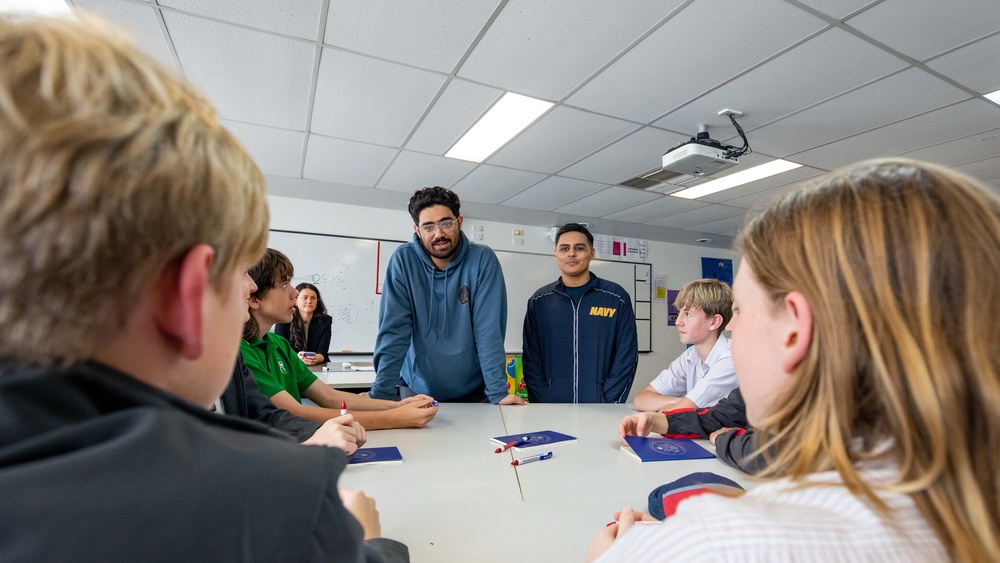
441 254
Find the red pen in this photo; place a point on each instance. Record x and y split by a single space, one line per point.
519 442
343 408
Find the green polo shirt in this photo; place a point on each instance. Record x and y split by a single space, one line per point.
276 367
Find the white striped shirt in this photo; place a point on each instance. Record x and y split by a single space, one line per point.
704 384
776 522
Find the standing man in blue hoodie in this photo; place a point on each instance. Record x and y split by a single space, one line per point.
580 341
443 314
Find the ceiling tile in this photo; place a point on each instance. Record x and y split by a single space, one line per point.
545 49
458 108
974 66
606 202
277 152
758 200
924 28
345 162
369 100
493 184
935 127
638 153
696 50
432 35
299 18
695 217
819 68
560 138
140 20
655 209
985 170
553 192
837 8
722 226
412 171
273 73
897 97
961 151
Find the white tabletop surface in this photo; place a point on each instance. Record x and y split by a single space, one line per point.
337 376
454 499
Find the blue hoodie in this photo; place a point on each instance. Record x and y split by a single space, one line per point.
442 332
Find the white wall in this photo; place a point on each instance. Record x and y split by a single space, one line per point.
680 263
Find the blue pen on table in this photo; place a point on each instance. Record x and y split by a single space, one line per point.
529 459
519 442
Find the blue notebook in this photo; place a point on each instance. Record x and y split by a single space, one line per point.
540 438
665 449
375 455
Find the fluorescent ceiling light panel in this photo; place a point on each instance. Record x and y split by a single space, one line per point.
508 117
993 97
738 179
38 7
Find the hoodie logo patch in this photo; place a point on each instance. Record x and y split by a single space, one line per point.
463 295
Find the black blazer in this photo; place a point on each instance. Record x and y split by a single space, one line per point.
319 334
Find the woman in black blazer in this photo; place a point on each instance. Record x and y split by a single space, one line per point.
309 331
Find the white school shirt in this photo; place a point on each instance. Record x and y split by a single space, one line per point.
704 384
775 522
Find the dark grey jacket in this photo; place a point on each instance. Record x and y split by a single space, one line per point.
97 466
243 398
735 447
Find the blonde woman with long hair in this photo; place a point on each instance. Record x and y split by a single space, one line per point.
866 320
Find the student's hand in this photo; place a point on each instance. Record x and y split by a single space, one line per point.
425 399
642 424
363 509
414 413
512 400
624 521
341 432
714 435
310 360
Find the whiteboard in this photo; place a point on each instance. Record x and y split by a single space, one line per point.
349 273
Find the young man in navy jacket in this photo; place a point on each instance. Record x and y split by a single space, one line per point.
579 332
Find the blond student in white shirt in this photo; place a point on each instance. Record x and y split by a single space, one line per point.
704 374
864 334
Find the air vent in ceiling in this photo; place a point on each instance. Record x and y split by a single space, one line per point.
659 181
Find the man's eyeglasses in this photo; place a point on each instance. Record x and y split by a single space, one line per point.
446 226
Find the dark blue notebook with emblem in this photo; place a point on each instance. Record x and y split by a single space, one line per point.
530 439
664 449
375 455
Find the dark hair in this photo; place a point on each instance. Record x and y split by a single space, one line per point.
575 228
297 329
428 197
272 265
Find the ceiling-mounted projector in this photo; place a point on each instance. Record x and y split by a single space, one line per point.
695 159
703 155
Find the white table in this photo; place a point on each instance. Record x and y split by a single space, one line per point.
453 499
339 378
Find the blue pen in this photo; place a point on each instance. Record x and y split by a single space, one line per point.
516 443
529 459
432 404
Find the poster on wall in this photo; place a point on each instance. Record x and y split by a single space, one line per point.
717 268
620 248
660 289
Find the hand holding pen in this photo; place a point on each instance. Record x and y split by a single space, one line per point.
519 442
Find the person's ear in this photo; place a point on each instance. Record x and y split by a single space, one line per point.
716 322
460 219
180 296
797 325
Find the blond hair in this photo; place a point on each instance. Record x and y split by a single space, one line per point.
712 296
110 169
900 262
